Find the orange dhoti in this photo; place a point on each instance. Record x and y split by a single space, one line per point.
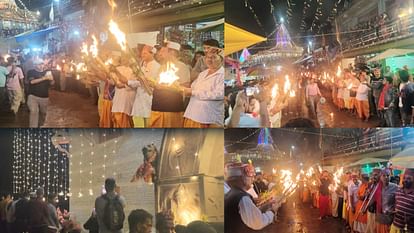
351 218
105 119
360 224
363 109
341 103
122 120
166 119
382 228
188 123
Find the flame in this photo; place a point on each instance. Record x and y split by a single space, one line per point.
94 47
77 77
320 169
310 172
287 84
169 77
58 67
273 171
112 4
71 69
350 86
292 93
336 178
275 90
109 62
338 72
84 49
80 67
119 35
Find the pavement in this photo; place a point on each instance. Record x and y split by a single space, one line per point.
65 110
296 217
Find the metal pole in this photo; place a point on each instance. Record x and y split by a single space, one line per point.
129 16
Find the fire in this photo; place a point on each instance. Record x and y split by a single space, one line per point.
119 35
292 93
84 49
109 62
58 67
337 178
310 172
112 4
275 90
6 57
338 72
287 84
273 171
169 77
93 49
350 86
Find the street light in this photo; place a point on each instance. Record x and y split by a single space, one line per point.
282 19
37 13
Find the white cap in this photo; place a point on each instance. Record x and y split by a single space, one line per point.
173 45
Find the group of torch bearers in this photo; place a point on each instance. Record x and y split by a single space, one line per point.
136 90
366 203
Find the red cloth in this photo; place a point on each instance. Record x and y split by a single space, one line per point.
378 197
381 101
323 205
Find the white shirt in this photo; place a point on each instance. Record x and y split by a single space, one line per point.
253 216
362 92
353 193
143 100
207 101
124 97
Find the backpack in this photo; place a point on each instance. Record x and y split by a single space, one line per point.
113 213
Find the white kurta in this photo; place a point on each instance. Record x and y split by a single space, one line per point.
143 100
252 216
124 97
207 100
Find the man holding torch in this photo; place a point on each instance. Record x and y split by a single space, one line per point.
168 104
240 211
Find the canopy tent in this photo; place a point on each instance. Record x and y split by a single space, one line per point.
367 161
217 25
31 35
237 39
404 159
391 53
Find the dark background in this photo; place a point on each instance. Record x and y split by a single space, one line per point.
6 160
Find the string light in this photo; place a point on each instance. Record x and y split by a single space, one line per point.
36 163
247 5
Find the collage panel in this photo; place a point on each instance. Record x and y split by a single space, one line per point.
319 180
320 64
111 64
112 180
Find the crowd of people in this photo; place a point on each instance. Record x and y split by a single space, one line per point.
365 203
196 101
366 94
386 95
32 213
368 203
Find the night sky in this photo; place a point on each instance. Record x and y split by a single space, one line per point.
6 159
238 14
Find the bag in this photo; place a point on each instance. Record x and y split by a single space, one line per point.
11 74
114 215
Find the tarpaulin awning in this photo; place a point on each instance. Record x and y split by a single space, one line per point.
236 39
367 161
404 159
391 53
217 25
30 35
